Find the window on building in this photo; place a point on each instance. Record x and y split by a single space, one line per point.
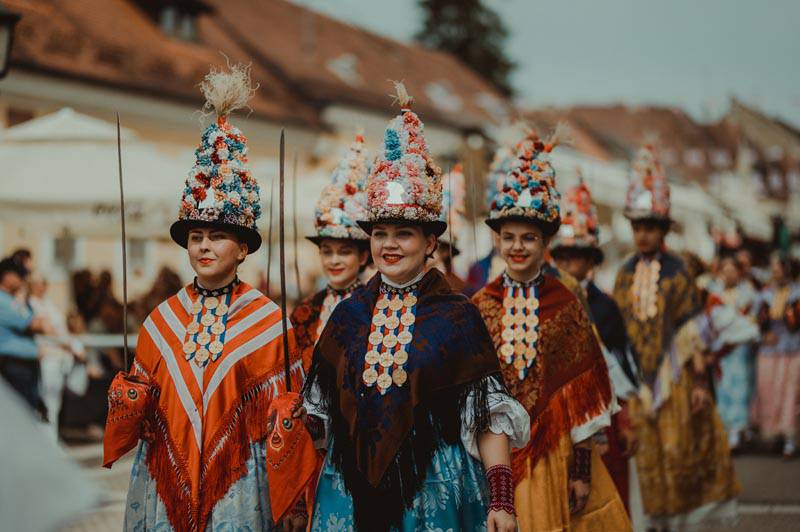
176 18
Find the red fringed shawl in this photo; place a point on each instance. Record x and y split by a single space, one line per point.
305 320
568 383
200 425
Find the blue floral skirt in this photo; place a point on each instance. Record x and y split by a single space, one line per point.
454 497
244 508
735 388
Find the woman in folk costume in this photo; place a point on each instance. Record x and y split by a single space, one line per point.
576 250
209 359
683 462
737 369
343 246
404 377
551 360
453 197
777 404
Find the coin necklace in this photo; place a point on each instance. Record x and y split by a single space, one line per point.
520 334
332 298
644 289
391 332
205 334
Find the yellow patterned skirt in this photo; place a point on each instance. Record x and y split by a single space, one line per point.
542 499
683 463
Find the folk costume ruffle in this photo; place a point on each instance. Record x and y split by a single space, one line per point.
391 421
208 411
566 391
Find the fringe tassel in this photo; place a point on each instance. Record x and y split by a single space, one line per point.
575 403
245 423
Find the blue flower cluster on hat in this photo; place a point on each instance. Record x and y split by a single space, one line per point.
405 184
344 201
220 189
498 171
528 191
648 194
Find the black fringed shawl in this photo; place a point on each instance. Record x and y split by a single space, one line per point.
383 445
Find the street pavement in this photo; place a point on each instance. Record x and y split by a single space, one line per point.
770 500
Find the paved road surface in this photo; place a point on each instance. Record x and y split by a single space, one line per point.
770 499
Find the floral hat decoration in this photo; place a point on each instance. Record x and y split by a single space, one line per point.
507 137
528 192
580 227
343 202
405 185
453 206
648 189
220 191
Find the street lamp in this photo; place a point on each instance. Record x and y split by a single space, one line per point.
8 19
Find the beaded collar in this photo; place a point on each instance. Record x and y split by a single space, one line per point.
388 287
216 292
511 283
346 291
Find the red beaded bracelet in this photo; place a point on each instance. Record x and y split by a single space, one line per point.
501 488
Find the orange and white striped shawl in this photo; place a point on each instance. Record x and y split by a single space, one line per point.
203 420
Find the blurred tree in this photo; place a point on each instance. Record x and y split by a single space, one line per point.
473 33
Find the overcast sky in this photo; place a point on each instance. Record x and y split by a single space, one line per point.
690 53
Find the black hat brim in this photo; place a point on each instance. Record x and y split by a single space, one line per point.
179 231
548 228
454 251
596 253
436 228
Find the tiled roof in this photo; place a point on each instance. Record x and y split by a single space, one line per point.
302 60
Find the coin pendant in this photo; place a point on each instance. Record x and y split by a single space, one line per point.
530 354
508 320
215 347
508 302
196 307
211 303
519 302
203 338
531 336
189 347
369 376
390 340
401 357
392 323
507 350
396 304
410 300
399 376
208 319
533 303
202 355
386 360
532 320
193 328
375 338
218 328
384 381
408 319
507 335
382 303
371 357
404 337
519 363
379 319
519 334
222 308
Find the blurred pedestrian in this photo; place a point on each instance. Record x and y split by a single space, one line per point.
167 283
19 354
61 355
576 251
737 369
777 403
683 462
